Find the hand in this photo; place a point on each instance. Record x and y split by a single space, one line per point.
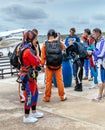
64 53
89 53
42 69
79 63
38 68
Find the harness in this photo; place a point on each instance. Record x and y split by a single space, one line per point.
30 73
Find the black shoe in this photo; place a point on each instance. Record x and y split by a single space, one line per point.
64 99
78 87
79 90
22 101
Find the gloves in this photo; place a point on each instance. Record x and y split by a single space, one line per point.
64 53
38 68
77 60
42 69
79 63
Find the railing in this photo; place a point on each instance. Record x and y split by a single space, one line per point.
5 67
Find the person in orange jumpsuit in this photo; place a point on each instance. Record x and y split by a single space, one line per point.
52 55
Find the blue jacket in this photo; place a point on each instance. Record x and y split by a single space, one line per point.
74 38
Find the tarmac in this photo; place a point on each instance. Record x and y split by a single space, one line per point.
78 112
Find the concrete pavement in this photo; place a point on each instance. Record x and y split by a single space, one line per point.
77 113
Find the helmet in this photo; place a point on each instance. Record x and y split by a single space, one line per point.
51 32
29 36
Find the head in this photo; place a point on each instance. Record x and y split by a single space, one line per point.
35 31
29 36
58 34
51 34
87 32
97 33
72 31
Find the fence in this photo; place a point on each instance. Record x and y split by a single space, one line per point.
5 67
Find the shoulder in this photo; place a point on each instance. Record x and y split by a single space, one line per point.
67 37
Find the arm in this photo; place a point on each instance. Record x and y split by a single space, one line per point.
66 42
78 39
62 45
43 55
32 59
91 47
99 52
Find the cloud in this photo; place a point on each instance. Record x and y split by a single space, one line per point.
80 22
100 17
42 1
17 11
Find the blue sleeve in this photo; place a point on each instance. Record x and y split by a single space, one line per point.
78 39
91 47
66 42
100 51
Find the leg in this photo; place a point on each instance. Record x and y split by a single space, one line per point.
103 90
21 94
91 74
79 69
95 75
103 79
30 90
49 74
60 84
91 64
35 114
101 85
86 69
74 71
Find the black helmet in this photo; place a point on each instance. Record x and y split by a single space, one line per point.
51 32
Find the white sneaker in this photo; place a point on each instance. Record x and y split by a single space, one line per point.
29 120
93 86
40 92
37 115
22 100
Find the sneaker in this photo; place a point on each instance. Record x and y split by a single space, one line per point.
64 99
85 78
37 115
22 100
98 99
93 86
46 99
29 119
40 92
78 87
90 79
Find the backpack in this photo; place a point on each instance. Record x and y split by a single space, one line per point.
53 53
78 48
81 50
16 56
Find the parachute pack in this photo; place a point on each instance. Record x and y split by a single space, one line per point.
16 56
78 48
82 52
53 53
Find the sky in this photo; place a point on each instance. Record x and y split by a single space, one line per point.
60 15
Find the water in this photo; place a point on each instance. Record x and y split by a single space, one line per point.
6 49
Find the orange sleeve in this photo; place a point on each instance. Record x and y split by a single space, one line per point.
63 46
43 55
